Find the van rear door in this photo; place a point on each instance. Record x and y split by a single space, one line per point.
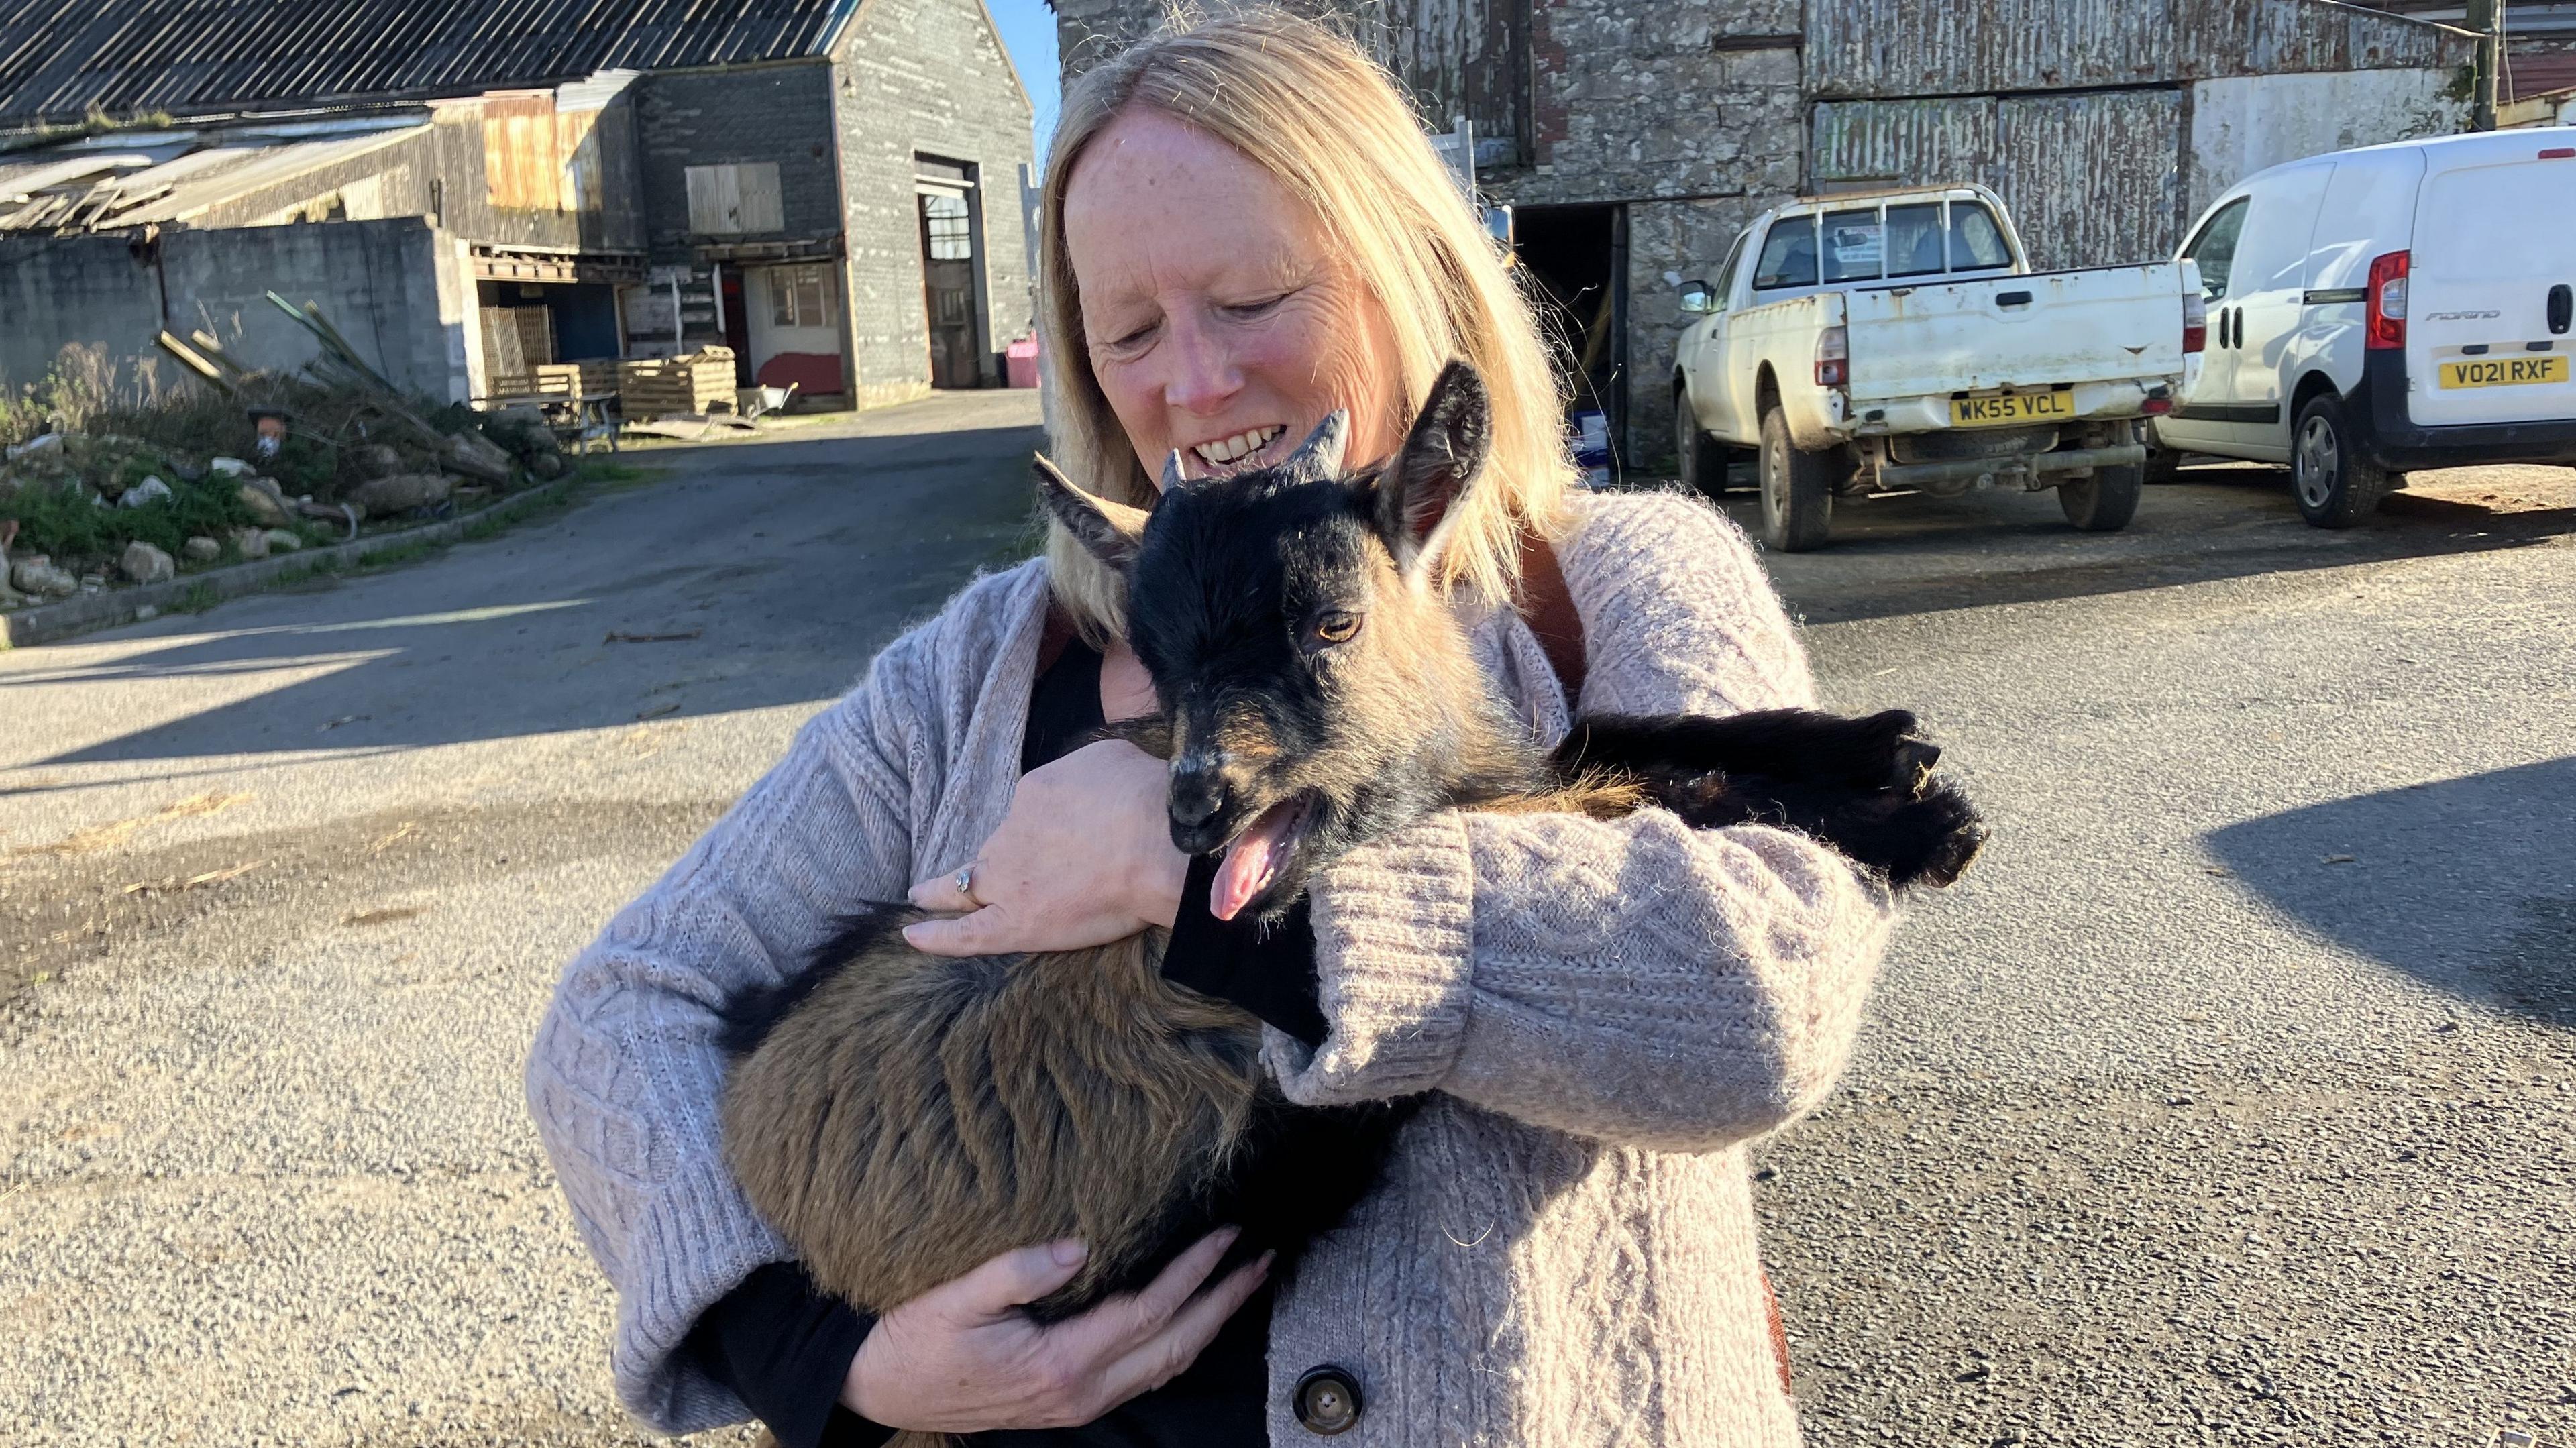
2493 272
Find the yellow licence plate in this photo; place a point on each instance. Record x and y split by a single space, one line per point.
2504 371
2011 407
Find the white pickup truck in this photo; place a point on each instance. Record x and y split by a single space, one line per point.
1898 341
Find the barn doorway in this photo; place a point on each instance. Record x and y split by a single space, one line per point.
1578 256
952 271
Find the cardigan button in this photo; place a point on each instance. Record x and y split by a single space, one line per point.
1327 1401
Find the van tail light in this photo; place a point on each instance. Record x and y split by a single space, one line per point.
2195 322
1833 357
2386 329
2559 153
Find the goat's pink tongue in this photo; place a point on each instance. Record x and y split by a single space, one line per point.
1251 861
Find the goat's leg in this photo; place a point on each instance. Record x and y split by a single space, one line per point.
1882 751
1863 786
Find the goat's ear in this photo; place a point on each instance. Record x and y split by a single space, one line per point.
1110 530
1419 489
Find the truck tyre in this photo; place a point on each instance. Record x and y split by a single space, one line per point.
1797 490
2104 502
2335 485
1700 458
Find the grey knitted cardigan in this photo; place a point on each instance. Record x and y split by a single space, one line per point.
1603 1013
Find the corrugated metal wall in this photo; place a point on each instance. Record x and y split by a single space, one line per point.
2091 178
1907 47
1888 48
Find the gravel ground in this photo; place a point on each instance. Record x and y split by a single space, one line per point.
2230 1098
2164 1126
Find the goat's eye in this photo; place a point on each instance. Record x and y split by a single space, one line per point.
1336 626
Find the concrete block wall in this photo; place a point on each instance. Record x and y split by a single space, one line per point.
58 290
926 77
399 291
774 113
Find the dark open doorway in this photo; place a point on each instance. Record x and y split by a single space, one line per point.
1578 256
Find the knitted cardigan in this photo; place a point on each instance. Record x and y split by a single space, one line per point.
1604 1014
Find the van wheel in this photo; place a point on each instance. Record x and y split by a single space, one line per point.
1702 459
2336 486
2104 502
1797 490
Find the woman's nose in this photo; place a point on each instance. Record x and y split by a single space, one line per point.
1204 376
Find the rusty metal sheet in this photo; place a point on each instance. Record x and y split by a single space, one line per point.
1454 57
59 58
2091 178
2268 37
1904 143
1907 48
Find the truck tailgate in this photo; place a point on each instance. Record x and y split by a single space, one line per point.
2100 324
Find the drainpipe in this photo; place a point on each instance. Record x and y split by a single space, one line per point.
2487 18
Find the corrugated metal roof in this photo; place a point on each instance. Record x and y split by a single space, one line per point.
61 58
173 175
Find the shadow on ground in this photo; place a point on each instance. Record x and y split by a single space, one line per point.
2467 884
751 574
1918 554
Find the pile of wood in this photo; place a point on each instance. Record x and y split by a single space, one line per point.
701 382
560 379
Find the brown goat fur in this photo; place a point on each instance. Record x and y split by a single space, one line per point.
901 1118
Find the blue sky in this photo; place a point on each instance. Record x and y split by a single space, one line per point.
1028 28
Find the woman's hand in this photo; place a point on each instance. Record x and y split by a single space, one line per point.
1084 858
963 1358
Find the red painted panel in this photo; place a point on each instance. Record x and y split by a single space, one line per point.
811 372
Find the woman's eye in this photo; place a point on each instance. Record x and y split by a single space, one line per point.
1132 341
1249 311
1336 627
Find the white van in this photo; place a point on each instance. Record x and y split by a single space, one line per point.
2394 307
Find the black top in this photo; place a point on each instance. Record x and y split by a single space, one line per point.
785 1348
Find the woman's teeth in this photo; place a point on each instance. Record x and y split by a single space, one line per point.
1236 448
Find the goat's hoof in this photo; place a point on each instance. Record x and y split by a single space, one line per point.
1955 855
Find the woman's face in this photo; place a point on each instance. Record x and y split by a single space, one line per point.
1219 317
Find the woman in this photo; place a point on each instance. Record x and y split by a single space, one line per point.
1244 231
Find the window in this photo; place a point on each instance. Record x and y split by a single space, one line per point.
1914 239
1855 247
1726 269
1788 255
1976 239
2215 247
947 231
800 296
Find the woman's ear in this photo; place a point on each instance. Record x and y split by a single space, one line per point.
1110 530
1419 489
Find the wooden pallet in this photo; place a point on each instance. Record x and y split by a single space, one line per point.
701 382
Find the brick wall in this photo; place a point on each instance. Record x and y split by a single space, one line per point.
926 77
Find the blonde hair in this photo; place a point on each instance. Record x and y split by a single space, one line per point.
1307 106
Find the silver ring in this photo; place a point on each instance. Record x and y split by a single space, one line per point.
965 882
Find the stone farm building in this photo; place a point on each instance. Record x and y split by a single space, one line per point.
1635 137
833 188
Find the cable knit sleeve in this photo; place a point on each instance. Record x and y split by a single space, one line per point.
1630 980
625 1075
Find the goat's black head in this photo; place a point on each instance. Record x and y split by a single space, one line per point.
1318 688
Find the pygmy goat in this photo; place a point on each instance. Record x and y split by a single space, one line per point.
903 1117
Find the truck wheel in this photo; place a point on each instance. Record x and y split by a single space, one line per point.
2336 486
1702 459
2104 502
1797 490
